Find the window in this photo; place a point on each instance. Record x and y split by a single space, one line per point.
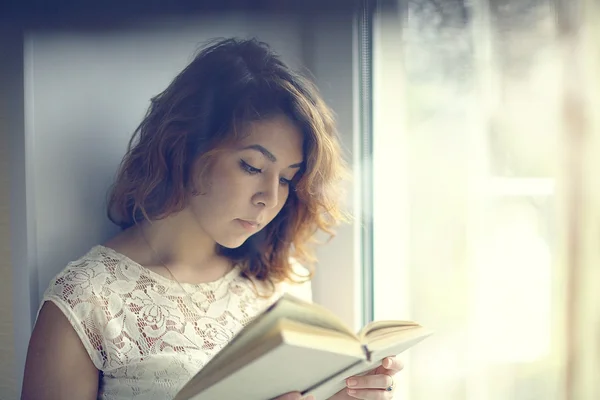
474 216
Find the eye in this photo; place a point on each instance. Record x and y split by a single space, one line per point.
249 168
285 182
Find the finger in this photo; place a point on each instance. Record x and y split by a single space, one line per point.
395 366
289 396
380 381
293 396
369 394
392 364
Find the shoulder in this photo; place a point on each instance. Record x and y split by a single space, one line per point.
82 292
99 279
85 276
301 288
267 291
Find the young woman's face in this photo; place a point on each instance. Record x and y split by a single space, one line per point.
248 185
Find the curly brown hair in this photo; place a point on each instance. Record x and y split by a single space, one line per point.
229 83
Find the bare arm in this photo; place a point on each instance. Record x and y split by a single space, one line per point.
58 366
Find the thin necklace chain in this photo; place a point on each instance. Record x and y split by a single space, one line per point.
188 295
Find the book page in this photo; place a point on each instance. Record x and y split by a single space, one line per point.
287 307
310 314
383 342
296 356
371 328
387 342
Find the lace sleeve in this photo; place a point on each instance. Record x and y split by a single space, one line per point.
73 291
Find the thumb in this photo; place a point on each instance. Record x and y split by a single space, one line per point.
290 396
294 396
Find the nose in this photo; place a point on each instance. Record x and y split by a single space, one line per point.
268 196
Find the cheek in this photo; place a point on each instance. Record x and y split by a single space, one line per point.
224 193
224 180
283 196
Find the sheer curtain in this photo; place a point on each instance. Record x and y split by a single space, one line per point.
486 195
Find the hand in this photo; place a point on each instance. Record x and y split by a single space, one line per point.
372 386
294 396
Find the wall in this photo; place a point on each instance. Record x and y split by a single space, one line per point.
80 93
6 327
14 317
7 372
330 41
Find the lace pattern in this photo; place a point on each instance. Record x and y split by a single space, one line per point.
141 330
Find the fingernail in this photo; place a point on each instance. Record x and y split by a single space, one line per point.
387 363
351 391
351 382
309 397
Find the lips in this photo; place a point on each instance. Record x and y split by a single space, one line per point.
249 225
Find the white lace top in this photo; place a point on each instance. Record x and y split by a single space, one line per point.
145 335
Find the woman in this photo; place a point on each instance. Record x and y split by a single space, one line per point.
229 175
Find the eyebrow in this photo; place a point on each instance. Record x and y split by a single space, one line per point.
270 156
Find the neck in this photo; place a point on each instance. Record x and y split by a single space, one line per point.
180 243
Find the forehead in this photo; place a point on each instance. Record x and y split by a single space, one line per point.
279 134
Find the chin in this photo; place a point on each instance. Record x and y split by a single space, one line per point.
232 243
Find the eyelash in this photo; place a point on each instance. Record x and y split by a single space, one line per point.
249 169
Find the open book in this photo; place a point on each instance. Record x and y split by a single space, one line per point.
297 346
